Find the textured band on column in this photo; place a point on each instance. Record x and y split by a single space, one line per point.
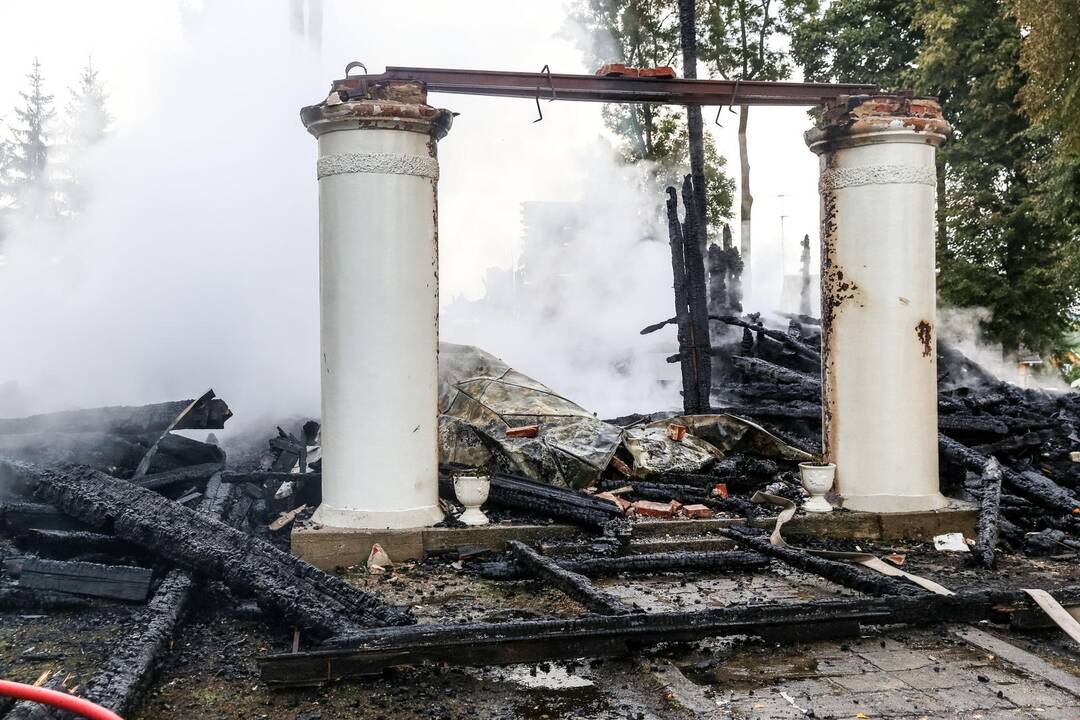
837 178
379 162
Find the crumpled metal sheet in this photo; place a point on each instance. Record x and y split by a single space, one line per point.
729 433
480 397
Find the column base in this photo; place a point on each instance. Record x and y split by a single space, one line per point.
895 503
350 518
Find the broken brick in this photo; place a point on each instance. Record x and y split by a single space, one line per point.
648 508
624 505
676 432
697 511
525 431
721 490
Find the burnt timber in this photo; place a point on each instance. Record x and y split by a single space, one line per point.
598 636
319 603
207 413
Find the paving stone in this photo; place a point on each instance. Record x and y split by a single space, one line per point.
926 679
848 664
970 697
869 682
1071 712
1031 694
897 659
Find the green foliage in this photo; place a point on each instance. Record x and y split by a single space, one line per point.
1050 56
645 33
739 37
862 41
1009 217
1000 251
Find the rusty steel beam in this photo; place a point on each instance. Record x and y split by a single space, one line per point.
593 88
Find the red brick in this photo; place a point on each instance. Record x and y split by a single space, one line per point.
623 504
721 490
653 509
697 511
525 431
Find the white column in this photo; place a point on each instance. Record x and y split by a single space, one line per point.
378 278
879 363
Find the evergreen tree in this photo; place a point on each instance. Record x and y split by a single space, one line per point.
86 122
645 33
26 181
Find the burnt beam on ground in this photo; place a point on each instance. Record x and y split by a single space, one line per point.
315 601
680 561
573 584
596 636
841 573
208 413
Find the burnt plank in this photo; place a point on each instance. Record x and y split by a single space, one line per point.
597 635
209 413
318 602
118 582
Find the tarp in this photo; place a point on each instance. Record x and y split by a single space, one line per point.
481 397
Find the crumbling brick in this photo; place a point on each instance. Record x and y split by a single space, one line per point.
697 511
647 508
624 505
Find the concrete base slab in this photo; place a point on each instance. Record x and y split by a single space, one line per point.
328 548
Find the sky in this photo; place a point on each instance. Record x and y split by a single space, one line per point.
204 220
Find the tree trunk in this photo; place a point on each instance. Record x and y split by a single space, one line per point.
747 202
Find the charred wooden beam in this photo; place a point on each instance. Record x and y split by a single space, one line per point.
315 601
688 364
759 369
20 598
66 543
595 636
989 514
573 584
263 476
841 573
209 413
966 424
118 582
121 681
1029 485
519 493
21 517
797 346
680 562
192 475
694 239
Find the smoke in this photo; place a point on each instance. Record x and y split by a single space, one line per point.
594 267
194 262
961 328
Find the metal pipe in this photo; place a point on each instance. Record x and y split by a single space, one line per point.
378 268
879 367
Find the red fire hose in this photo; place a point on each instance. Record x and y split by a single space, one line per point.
56 699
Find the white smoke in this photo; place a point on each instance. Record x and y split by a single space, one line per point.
194 264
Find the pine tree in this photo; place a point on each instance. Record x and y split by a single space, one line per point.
26 182
86 123
86 117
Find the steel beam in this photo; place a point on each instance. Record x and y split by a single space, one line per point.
593 88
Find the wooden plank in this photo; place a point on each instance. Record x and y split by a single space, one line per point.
119 582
